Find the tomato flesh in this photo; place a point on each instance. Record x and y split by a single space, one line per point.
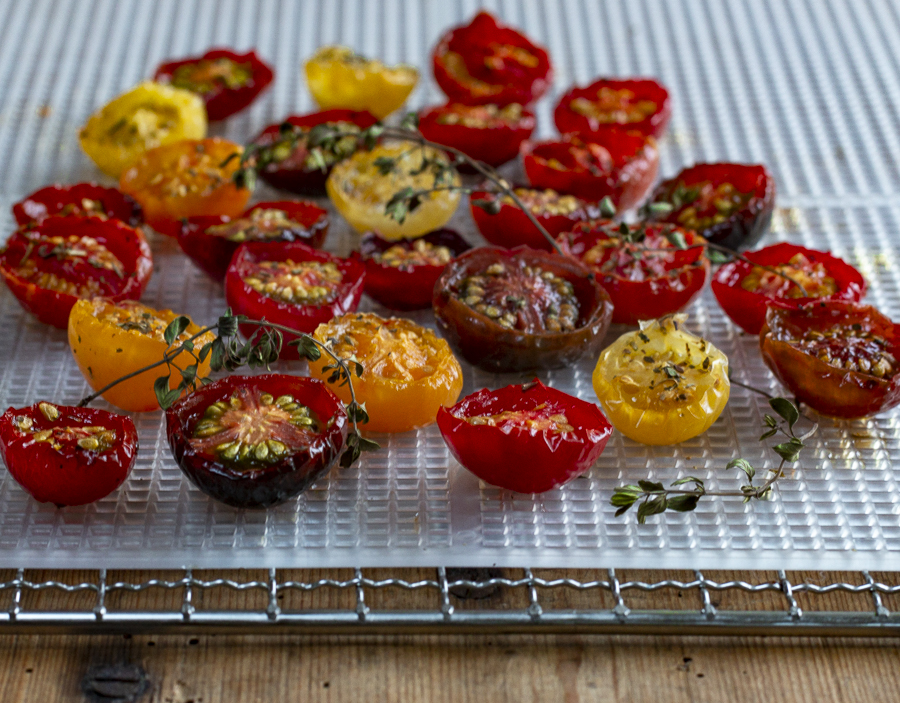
226 81
640 104
838 357
744 289
257 441
488 62
728 204
528 438
518 309
646 276
66 455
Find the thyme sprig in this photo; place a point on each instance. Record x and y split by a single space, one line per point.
652 498
227 352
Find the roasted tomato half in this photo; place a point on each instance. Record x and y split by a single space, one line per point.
637 103
226 81
527 438
662 384
840 358
290 164
506 224
614 162
361 188
409 373
743 290
727 204
488 133
517 309
257 441
110 340
145 117
49 266
290 284
488 62
401 274
645 274
81 199
339 77
185 179
66 455
210 241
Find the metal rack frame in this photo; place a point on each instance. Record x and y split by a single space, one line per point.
449 618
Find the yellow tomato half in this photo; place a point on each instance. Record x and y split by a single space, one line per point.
110 340
360 190
143 118
408 372
662 384
340 78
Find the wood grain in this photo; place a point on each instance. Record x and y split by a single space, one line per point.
516 669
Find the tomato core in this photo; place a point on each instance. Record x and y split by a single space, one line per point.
812 276
304 283
421 253
613 106
206 75
540 419
259 225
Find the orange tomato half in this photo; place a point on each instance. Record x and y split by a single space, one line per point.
110 340
408 372
184 179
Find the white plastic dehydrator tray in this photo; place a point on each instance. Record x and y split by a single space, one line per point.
811 89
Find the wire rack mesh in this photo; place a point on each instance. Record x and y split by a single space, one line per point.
811 88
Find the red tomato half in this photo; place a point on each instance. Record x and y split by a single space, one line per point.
744 290
636 103
210 241
616 163
228 82
487 133
257 441
298 170
727 204
51 265
527 438
840 358
488 62
401 273
81 199
518 309
643 285
510 226
66 455
291 284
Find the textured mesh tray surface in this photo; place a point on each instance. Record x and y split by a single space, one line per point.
808 88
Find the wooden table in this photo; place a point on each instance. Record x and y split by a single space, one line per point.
204 668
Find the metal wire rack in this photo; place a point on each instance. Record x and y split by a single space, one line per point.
607 605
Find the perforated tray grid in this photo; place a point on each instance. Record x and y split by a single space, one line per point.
808 88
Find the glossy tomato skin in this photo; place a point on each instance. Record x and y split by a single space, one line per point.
747 309
510 227
488 62
51 305
70 200
645 107
826 388
111 340
488 345
212 254
244 300
494 137
741 228
221 100
186 179
69 475
621 164
641 285
292 173
259 487
520 459
406 287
